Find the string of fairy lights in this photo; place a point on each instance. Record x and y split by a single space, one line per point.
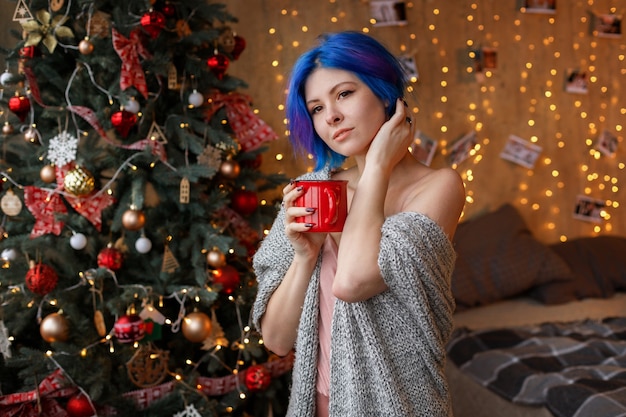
543 48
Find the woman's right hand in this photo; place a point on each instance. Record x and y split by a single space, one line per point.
305 244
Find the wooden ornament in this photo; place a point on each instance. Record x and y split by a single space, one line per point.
10 203
148 366
184 191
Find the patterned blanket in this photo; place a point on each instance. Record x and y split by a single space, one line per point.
575 369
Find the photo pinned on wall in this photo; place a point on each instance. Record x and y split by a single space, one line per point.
462 149
423 148
576 82
409 66
607 143
589 209
485 59
521 152
388 12
539 6
607 25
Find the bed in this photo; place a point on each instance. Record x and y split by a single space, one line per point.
540 330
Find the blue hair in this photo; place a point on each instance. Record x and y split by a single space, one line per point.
357 53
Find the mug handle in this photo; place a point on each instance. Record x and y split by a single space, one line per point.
332 213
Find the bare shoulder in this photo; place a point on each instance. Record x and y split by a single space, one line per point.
440 195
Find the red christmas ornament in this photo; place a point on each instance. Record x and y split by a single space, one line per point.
169 9
20 105
79 406
244 202
110 258
153 22
218 64
129 328
27 52
257 378
228 277
41 279
123 121
240 45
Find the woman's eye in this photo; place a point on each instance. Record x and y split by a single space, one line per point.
316 109
345 93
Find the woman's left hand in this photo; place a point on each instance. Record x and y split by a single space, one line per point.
391 142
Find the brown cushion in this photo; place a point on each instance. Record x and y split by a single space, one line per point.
598 265
498 258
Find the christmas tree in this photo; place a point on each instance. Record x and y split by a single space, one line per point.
130 212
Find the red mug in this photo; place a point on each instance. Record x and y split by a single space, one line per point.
329 198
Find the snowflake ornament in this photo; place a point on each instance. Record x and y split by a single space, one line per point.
62 149
210 157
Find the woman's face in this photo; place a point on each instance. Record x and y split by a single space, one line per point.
345 112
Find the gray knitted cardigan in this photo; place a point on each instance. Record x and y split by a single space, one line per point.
388 352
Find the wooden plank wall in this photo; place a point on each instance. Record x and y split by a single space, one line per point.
523 96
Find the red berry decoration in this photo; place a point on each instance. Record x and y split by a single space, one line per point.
153 22
258 378
20 105
244 202
129 328
41 279
228 277
110 258
240 45
79 406
218 64
123 121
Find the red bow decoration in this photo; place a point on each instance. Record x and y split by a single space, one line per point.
129 50
251 131
44 204
89 207
41 401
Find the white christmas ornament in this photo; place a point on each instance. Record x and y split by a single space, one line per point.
143 245
132 106
8 254
189 411
78 241
196 99
62 149
5 77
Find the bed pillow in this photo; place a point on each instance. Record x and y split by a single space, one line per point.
598 265
498 258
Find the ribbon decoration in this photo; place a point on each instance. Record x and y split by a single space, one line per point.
129 50
41 401
208 386
251 131
44 204
157 147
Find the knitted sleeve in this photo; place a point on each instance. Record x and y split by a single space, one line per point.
270 264
416 260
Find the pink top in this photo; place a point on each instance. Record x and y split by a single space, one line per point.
327 303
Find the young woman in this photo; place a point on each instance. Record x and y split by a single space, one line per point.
367 310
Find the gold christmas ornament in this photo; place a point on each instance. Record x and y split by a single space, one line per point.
85 47
31 135
54 328
48 174
196 326
230 169
79 181
216 258
7 129
133 219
